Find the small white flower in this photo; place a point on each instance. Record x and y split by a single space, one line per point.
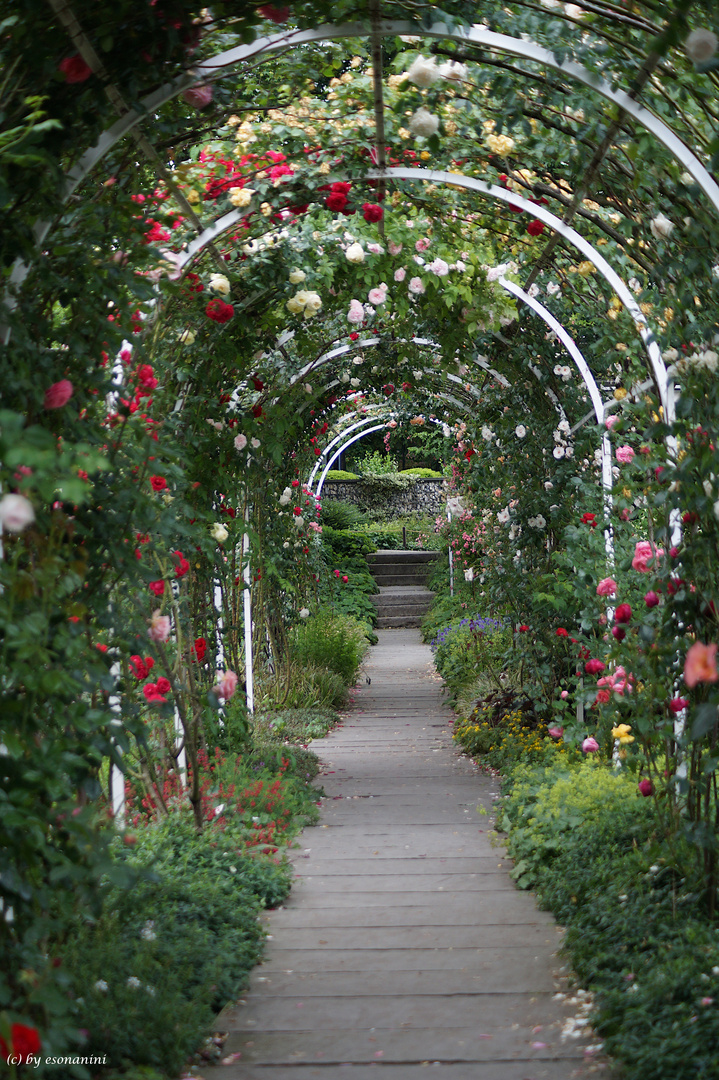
101 986
134 982
469 574
16 513
533 291
423 73
558 452
453 72
563 425
416 286
148 931
187 337
219 284
307 388
553 289
286 544
297 277
304 613
537 522
503 516
661 227
354 383
299 521
219 532
701 45
424 123
355 253
520 431
286 497
255 444
487 433
548 485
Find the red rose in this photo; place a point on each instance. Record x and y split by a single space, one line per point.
157 587
158 483
257 383
345 579
388 389
152 694
336 201
25 1043
535 227
523 628
199 649
589 519
678 704
58 394
182 565
623 613
619 633
274 14
371 212
593 667
561 632
74 69
646 788
219 311
198 96
257 411
651 599
163 684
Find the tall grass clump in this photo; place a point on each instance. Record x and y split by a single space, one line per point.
330 640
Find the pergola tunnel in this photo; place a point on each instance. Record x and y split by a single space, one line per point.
243 245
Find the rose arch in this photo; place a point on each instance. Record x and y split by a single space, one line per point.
228 249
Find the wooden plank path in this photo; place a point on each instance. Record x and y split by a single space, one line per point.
404 951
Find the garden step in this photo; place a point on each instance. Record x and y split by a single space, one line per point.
385 556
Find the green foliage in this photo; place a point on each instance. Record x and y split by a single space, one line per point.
338 514
332 641
422 474
467 646
295 725
340 474
374 464
637 932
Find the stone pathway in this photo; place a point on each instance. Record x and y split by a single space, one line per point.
404 950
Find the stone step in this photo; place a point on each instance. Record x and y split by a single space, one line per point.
393 622
402 577
385 556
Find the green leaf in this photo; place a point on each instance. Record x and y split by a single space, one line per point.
705 718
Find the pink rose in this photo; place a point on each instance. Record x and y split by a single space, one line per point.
590 745
394 249
226 684
416 286
58 394
700 665
645 787
644 553
377 296
160 627
401 274
610 422
240 441
651 599
16 513
556 732
607 587
422 244
198 96
355 315
624 455
593 667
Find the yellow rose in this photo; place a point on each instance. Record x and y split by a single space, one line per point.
241 196
620 393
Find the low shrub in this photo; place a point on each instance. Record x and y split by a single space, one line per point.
422 474
340 474
295 725
469 645
637 934
330 640
339 514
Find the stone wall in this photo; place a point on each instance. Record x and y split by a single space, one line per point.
409 496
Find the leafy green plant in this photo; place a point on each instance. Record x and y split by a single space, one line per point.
330 640
295 725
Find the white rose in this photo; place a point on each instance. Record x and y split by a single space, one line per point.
424 123
219 532
423 73
16 513
503 516
294 305
255 444
299 521
219 284
701 45
469 574
355 383
304 613
187 337
241 196
661 227
345 377
520 431
313 303
297 276
355 253
307 388
453 72
285 497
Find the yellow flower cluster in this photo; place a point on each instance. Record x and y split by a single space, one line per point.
621 732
